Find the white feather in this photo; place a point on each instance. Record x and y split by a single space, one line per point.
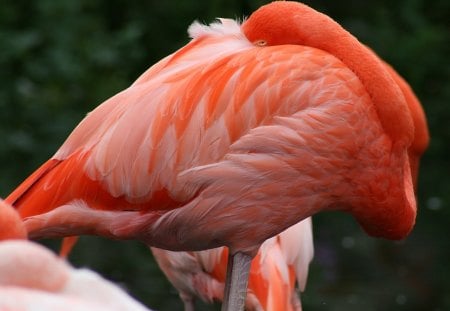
223 26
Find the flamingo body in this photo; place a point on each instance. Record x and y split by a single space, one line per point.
220 132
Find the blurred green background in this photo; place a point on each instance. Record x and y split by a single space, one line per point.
60 59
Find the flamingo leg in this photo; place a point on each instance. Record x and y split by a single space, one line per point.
296 302
236 282
188 302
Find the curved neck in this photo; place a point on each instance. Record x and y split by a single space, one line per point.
285 22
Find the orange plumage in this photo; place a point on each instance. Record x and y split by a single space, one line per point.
271 121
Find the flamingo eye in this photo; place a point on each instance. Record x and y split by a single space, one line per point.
260 42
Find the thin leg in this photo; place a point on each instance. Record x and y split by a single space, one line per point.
236 282
296 302
188 302
67 245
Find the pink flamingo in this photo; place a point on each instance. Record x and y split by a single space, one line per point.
33 278
242 133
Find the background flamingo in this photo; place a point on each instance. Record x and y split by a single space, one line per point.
279 267
33 278
80 197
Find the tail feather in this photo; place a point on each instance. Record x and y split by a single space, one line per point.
298 249
280 293
268 281
59 182
27 186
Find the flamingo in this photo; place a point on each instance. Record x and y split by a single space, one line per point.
240 134
185 269
33 278
201 274
280 262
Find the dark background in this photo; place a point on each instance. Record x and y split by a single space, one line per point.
60 59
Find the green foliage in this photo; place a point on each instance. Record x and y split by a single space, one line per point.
60 59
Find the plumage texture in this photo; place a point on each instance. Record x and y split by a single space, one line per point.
279 267
271 124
